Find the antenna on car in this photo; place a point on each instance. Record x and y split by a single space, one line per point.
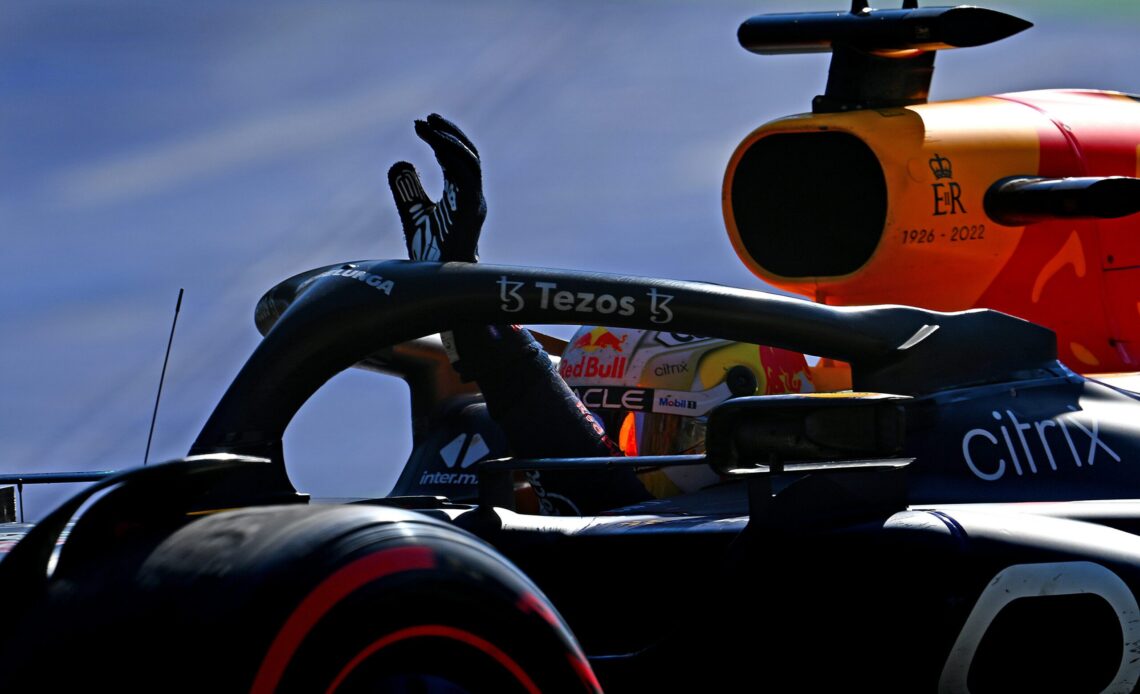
162 377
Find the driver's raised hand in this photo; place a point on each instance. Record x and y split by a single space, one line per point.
447 230
537 411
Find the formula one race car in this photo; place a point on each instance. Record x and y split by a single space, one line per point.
841 531
877 536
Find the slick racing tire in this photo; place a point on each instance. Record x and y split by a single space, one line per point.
328 599
348 599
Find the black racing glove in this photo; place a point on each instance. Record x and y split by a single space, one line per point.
539 413
449 229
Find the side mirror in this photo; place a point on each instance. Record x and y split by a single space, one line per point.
769 433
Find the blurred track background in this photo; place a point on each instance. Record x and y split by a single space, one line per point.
222 146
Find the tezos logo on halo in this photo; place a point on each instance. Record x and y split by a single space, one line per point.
591 303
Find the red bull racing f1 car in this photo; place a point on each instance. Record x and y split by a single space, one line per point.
874 528
964 517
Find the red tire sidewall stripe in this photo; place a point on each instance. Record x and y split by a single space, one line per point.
528 603
585 672
438 631
327 595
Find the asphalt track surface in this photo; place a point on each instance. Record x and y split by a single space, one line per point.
219 147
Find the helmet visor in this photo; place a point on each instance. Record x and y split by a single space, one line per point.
651 433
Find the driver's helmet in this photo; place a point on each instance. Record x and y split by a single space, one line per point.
653 390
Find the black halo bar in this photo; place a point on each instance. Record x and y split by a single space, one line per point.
325 320
924 29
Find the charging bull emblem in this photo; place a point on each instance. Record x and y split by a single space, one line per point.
784 371
600 338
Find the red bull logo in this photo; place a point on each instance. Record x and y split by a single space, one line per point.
590 367
786 372
600 338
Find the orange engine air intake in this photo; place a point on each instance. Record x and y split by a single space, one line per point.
890 206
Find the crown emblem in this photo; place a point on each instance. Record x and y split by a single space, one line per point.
940 166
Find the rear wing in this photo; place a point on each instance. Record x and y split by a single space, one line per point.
12 496
7 504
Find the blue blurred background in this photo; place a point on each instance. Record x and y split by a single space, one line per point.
220 147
